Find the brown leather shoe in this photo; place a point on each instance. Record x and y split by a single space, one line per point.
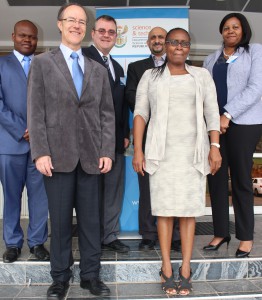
40 252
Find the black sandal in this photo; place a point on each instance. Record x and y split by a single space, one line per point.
169 283
184 284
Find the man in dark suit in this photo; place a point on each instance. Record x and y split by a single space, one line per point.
112 183
72 124
16 167
147 222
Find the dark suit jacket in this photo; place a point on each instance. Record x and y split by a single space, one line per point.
118 94
134 73
61 125
13 121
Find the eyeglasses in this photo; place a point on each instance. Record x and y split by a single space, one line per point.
72 21
102 31
175 43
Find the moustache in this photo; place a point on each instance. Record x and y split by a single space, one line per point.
156 44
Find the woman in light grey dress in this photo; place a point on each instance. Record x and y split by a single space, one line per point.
180 101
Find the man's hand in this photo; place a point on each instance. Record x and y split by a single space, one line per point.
26 135
105 164
44 165
126 143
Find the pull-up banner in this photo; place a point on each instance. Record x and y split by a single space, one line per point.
133 26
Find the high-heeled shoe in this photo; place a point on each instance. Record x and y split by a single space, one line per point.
209 247
169 284
242 254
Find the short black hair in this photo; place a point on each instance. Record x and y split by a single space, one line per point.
158 71
105 17
25 21
65 6
177 29
246 30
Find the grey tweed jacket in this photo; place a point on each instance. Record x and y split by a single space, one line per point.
62 126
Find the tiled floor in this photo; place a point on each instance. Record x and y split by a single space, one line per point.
135 254
242 289
202 290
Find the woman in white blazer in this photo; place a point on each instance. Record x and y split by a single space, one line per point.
179 102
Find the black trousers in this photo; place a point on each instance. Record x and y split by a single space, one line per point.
147 222
237 148
66 191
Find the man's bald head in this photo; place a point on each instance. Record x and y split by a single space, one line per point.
156 41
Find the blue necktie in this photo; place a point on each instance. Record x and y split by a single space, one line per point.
26 67
77 74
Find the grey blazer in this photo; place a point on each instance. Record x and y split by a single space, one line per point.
64 127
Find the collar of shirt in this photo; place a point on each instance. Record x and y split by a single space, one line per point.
110 63
159 62
20 57
67 52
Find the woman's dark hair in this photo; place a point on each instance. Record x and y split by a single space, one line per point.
158 71
246 30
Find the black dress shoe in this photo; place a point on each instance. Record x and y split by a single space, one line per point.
40 252
146 244
209 247
57 290
176 245
116 246
95 286
11 254
242 254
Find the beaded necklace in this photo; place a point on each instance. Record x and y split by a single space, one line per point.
228 55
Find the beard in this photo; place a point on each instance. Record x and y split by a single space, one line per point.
157 51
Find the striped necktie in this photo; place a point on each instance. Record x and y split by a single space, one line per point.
106 61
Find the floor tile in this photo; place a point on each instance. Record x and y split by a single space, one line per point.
234 286
140 289
33 291
9 291
77 292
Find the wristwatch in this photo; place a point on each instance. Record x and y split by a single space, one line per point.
228 116
215 144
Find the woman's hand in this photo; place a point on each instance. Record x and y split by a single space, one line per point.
224 124
214 159
139 162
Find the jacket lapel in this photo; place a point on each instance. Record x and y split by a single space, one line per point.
59 60
16 65
87 73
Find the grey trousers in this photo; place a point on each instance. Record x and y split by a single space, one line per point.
111 200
